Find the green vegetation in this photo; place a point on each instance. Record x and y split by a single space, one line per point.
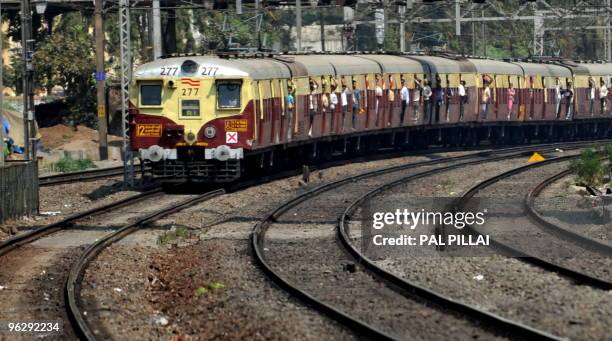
68 164
209 287
172 237
589 168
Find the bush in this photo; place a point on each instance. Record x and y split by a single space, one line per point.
589 168
68 164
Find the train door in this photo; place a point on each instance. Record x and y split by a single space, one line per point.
276 111
257 111
266 115
360 108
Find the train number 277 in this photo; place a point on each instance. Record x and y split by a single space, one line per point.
168 71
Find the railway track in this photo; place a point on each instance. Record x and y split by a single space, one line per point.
72 287
579 259
86 175
48 250
320 261
593 244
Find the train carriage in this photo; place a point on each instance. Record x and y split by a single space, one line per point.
205 118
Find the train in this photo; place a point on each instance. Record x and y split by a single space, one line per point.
214 118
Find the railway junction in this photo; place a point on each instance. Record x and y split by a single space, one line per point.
413 170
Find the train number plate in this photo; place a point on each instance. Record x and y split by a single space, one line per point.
236 125
148 130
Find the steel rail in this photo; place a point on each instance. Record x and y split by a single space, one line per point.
260 229
524 256
87 175
505 324
79 325
586 242
33 235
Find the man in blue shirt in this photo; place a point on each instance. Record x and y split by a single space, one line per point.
356 101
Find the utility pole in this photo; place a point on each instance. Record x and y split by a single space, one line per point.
101 80
298 24
28 72
458 23
126 76
156 23
402 28
608 33
484 36
322 25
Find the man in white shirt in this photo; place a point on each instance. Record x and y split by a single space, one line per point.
333 99
405 97
558 97
416 98
462 99
344 102
591 97
603 96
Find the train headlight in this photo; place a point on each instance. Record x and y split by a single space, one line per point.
210 132
190 137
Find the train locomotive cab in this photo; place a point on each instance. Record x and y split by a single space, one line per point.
191 118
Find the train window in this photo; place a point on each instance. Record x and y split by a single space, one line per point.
228 95
190 107
150 94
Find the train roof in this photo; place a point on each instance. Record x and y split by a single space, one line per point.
318 65
227 68
496 67
603 69
547 70
396 64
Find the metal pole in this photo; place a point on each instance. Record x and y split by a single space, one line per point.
157 40
27 66
298 24
126 76
101 80
608 34
1 95
402 28
457 18
484 37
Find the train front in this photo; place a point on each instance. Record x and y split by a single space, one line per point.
191 118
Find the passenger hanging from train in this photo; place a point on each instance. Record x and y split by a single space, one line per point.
289 112
312 105
333 103
344 102
378 92
462 99
405 97
569 100
603 96
485 100
416 98
449 93
591 96
558 96
439 98
427 107
356 98
391 99
511 94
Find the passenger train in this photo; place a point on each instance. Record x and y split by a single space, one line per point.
212 118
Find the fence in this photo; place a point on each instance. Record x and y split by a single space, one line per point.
18 189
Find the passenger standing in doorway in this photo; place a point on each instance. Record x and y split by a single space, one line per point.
405 97
569 100
333 102
462 99
289 113
511 94
344 102
390 99
486 97
313 106
356 102
427 107
558 97
416 98
603 96
439 98
591 97
449 93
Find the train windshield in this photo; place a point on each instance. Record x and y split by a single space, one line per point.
228 95
150 94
